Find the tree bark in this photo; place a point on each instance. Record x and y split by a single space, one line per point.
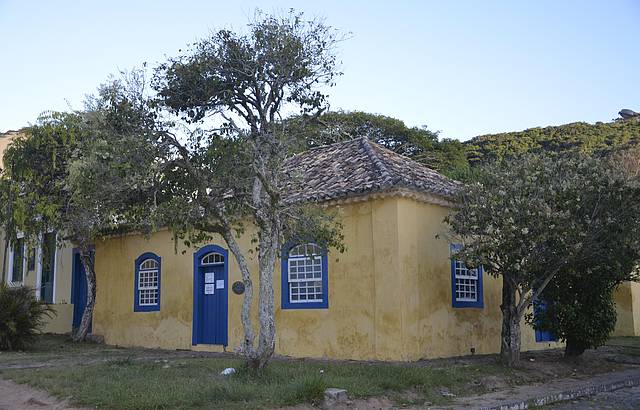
268 249
86 257
245 315
511 317
574 348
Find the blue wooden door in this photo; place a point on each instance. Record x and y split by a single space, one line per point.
210 316
78 290
539 307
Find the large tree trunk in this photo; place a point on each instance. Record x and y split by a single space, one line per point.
574 348
510 340
268 249
86 257
245 315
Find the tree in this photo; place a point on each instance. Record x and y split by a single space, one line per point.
580 308
418 143
112 179
217 181
526 221
83 174
34 180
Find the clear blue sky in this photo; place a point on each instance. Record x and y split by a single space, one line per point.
462 67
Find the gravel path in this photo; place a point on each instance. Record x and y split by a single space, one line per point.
623 399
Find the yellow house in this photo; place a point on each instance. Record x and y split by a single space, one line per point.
46 267
394 294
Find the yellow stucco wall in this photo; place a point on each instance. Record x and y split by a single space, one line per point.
627 298
389 293
346 329
433 328
60 322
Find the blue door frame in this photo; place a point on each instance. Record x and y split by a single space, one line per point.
539 307
78 289
210 310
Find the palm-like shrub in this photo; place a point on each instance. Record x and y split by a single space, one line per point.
21 317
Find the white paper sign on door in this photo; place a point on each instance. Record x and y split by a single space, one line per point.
209 289
220 284
209 277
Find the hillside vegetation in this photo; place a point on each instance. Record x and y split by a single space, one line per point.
578 136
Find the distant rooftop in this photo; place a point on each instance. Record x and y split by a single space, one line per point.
359 167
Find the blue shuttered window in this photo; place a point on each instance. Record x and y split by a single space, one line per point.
466 284
147 283
304 277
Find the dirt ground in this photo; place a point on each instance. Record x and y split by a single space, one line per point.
20 397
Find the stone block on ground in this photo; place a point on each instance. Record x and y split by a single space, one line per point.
334 397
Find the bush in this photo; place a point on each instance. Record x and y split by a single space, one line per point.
21 317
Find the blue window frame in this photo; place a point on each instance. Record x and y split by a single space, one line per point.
147 283
466 284
305 283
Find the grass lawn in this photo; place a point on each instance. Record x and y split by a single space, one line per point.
55 347
194 383
108 377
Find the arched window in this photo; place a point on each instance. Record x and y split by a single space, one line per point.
212 258
147 283
304 277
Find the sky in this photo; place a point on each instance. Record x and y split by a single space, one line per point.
463 68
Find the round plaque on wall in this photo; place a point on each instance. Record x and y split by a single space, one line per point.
238 287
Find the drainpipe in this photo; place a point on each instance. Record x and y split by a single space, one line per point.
4 258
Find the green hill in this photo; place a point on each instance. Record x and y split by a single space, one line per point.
578 136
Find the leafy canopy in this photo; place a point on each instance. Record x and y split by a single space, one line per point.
580 307
529 219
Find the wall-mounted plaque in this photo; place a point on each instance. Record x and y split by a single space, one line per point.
238 288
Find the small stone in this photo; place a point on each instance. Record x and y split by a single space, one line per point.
166 366
228 371
333 397
446 393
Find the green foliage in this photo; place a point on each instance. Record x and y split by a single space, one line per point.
280 60
35 170
580 311
535 219
447 156
21 317
522 218
240 83
112 181
580 307
578 137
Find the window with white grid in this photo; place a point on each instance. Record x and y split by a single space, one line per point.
466 283
148 280
305 274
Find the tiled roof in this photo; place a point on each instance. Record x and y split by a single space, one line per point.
357 167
